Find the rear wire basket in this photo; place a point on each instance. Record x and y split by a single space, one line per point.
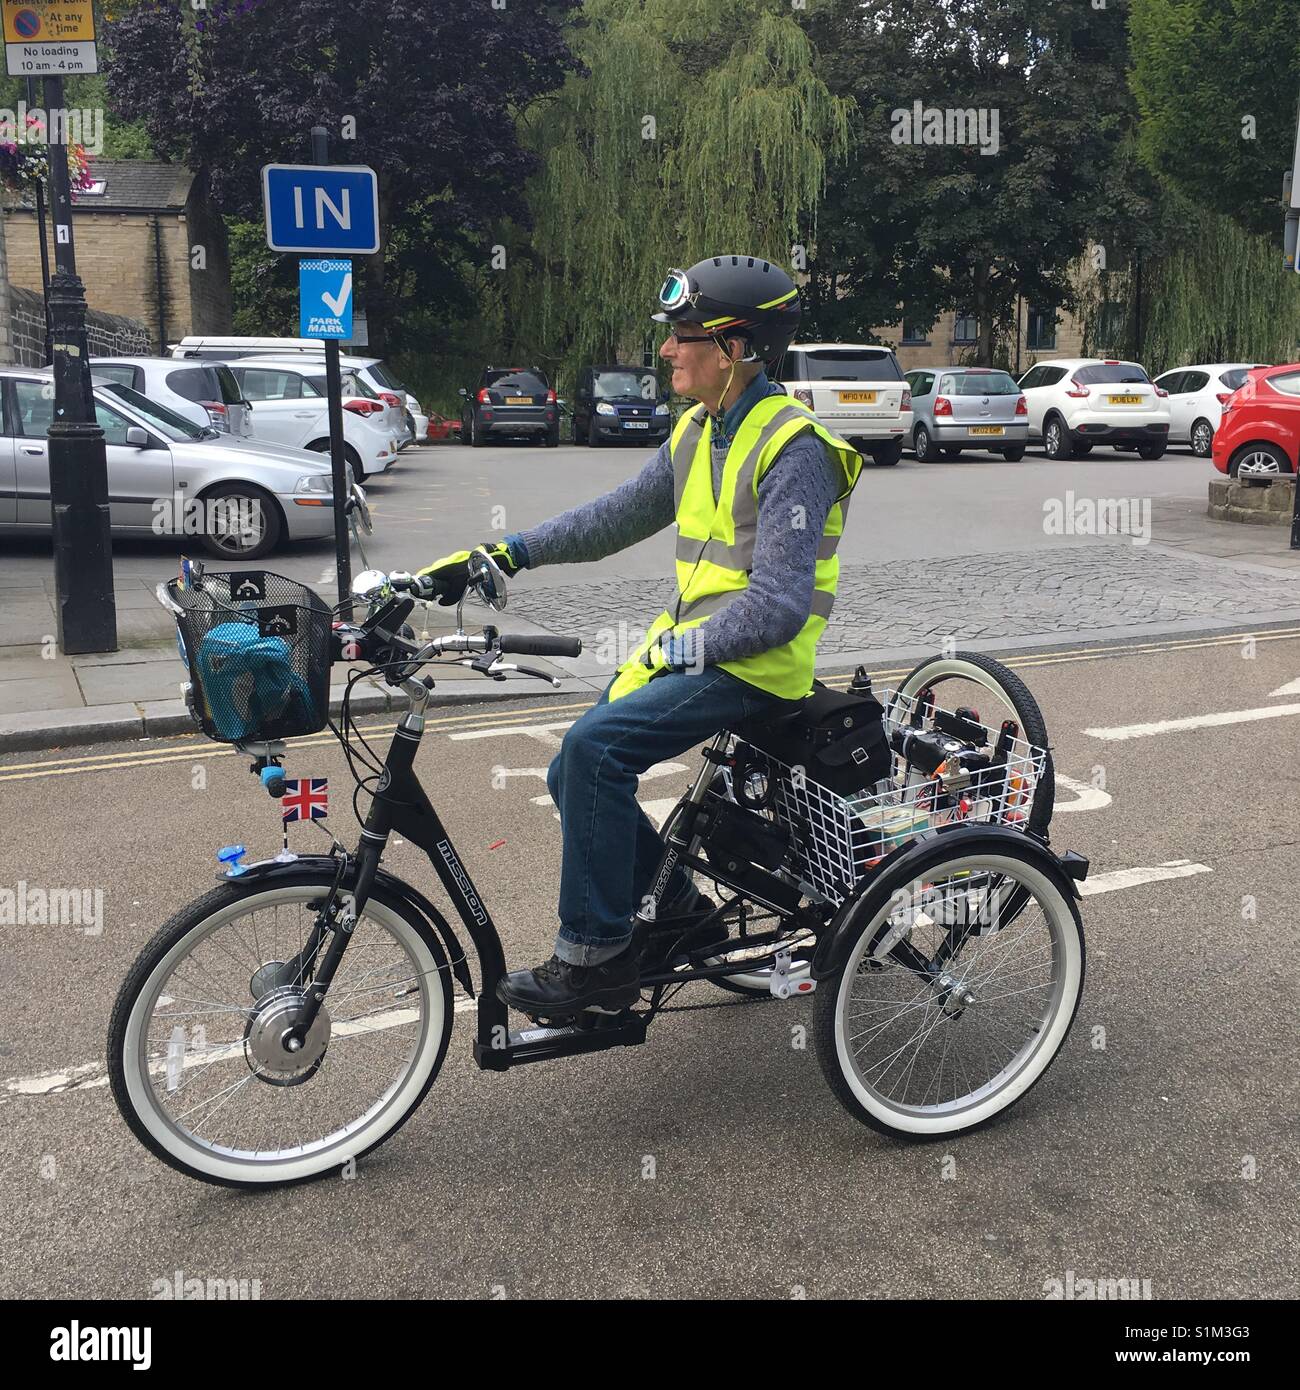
841 839
258 650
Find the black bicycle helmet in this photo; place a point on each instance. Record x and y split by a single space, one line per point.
731 295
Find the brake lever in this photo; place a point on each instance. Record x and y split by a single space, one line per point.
495 669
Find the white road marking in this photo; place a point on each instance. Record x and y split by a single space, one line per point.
543 733
1131 878
1086 796
1196 721
1290 688
91 1075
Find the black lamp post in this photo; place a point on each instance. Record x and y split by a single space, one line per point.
83 556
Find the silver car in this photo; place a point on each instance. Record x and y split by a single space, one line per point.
205 392
238 499
958 408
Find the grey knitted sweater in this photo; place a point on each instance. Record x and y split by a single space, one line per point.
794 498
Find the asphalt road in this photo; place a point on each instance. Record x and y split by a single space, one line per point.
1162 1144
440 498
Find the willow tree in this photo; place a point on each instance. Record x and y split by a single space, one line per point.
698 127
1219 295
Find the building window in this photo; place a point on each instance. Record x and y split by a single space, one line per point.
912 334
1041 333
965 329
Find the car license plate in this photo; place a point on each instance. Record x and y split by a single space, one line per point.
1124 400
858 397
987 429
519 400
636 424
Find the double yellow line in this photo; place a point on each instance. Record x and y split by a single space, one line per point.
197 747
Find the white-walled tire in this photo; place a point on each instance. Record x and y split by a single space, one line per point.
412 1002
892 1045
1000 681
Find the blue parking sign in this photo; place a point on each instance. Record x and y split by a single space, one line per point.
325 299
321 209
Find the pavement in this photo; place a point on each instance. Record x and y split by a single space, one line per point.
976 552
713 1161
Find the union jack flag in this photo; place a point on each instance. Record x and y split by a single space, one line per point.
305 798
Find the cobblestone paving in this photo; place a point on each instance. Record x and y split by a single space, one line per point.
1034 595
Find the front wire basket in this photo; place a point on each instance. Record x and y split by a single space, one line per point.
258 650
841 839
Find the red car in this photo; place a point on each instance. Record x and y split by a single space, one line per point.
441 428
1259 436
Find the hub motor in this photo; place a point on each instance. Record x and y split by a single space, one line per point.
268 1040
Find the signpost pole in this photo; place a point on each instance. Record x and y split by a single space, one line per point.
83 555
45 250
334 391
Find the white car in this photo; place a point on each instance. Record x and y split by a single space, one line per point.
166 475
372 370
1197 396
204 392
856 390
1076 402
290 407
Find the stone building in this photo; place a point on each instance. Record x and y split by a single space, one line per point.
150 248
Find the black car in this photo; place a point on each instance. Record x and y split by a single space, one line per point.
619 403
510 402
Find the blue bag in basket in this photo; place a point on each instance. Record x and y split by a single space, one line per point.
249 682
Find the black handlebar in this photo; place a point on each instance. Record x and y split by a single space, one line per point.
525 644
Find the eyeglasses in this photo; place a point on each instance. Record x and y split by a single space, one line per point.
679 339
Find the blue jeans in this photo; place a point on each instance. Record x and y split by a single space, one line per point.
611 850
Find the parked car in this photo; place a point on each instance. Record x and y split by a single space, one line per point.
510 403
372 370
856 390
1259 435
613 403
1196 399
441 427
290 407
166 474
956 408
205 392
1076 402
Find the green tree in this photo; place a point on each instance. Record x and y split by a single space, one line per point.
426 95
919 225
699 127
1216 83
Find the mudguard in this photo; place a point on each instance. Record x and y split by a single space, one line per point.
834 944
267 871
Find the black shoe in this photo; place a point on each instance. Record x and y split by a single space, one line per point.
558 988
686 939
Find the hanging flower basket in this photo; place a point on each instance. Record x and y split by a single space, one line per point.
26 162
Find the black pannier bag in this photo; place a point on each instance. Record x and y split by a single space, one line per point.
838 737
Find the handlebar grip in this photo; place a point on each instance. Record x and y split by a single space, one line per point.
525 644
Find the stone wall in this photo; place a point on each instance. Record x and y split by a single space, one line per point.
108 335
117 262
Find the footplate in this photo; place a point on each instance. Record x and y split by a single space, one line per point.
537 1044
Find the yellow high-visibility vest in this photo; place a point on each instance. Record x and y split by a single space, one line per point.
715 541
